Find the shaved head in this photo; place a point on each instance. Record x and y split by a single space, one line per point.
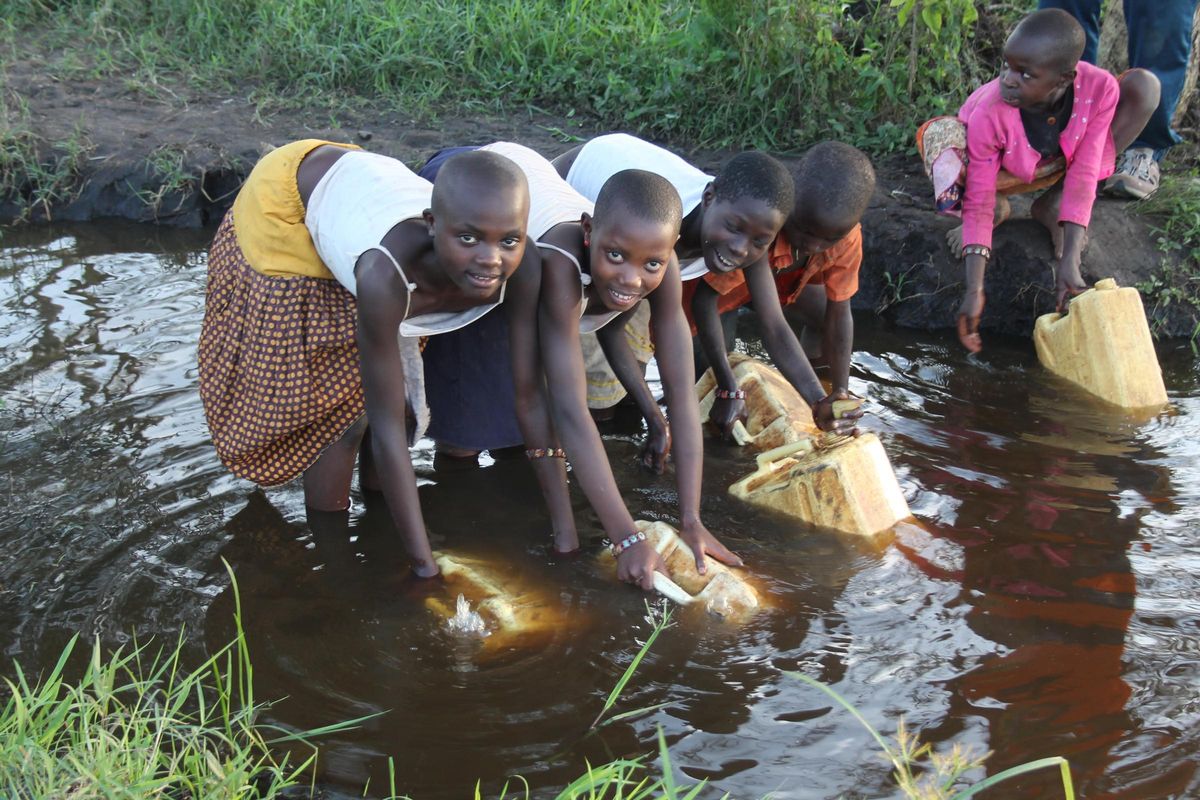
642 194
1056 34
467 176
834 183
757 175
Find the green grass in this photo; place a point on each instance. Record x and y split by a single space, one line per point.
1175 211
35 173
717 72
138 724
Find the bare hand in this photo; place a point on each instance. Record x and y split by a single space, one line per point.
638 563
1068 281
725 412
968 320
702 543
826 419
657 447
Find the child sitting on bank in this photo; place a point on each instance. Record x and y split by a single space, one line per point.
729 224
814 261
597 263
328 267
1049 120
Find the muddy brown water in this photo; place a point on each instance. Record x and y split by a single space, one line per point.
1046 604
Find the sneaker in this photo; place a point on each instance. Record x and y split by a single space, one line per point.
1136 175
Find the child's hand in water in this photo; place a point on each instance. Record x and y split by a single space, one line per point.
1068 280
828 420
725 412
968 320
657 447
638 563
697 537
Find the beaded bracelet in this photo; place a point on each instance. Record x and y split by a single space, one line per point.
545 452
976 250
628 542
727 394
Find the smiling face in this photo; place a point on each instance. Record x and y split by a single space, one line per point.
736 233
479 239
1029 78
628 256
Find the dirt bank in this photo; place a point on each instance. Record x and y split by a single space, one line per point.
171 156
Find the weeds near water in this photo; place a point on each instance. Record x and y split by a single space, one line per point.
1175 208
138 724
167 168
925 775
37 174
660 619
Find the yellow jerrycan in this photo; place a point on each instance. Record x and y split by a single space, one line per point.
1103 344
491 607
776 414
839 482
721 591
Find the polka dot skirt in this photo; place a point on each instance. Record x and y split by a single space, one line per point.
279 374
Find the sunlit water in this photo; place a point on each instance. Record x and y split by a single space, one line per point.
1046 605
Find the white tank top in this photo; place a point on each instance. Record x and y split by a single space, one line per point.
551 199
601 158
596 321
357 201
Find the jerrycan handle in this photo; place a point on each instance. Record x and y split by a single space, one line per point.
671 590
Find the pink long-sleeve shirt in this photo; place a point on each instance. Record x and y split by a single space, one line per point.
996 139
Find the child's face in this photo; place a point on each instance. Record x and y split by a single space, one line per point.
1029 79
629 257
809 237
736 233
480 240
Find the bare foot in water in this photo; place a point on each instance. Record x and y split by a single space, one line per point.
954 236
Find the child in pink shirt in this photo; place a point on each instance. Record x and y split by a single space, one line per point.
1047 120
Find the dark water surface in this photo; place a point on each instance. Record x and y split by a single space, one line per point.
1047 604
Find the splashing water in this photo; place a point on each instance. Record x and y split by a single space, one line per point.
467 622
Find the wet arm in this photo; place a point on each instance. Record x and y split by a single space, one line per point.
380 311
673 350
562 358
778 337
533 414
838 342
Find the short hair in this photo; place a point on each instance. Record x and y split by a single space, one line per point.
469 171
835 181
1058 32
641 193
758 175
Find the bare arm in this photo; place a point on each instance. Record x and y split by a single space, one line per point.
381 304
562 359
725 411
838 342
533 414
629 372
673 351
785 350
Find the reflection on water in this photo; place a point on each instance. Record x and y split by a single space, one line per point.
1043 602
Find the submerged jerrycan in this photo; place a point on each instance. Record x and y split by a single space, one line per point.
1103 344
776 414
839 482
721 591
490 606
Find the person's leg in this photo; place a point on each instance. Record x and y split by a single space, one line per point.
1137 172
1087 12
327 482
806 314
1160 40
954 235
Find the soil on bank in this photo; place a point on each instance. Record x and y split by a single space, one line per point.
175 156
